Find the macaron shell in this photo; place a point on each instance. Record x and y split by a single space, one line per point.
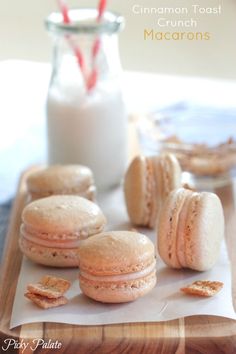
171 173
60 177
136 190
53 257
64 214
118 292
116 252
204 231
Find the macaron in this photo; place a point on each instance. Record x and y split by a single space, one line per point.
117 266
190 231
61 179
147 183
53 227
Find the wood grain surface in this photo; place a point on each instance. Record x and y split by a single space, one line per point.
196 334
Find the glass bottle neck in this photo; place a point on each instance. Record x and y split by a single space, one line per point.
69 49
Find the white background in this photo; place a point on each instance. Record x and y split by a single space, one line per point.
22 36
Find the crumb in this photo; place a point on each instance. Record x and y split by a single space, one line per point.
203 288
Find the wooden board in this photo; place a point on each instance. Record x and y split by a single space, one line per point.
196 334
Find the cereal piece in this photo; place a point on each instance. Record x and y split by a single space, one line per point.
204 160
50 287
173 139
187 186
44 302
203 288
230 140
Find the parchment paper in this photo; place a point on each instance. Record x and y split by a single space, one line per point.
165 302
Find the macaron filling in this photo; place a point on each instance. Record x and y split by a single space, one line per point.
63 236
120 277
63 240
148 198
190 222
173 231
166 176
50 244
185 224
181 231
157 190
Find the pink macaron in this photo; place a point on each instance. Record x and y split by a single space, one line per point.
117 266
190 231
148 181
53 227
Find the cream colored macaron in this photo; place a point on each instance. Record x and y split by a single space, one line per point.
117 266
148 181
53 228
191 228
61 179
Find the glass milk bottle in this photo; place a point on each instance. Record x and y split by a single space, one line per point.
87 124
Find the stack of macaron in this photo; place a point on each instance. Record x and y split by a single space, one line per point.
147 183
190 230
117 266
61 179
53 227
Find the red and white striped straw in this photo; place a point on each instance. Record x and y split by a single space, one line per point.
92 80
101 9
64 10
77 51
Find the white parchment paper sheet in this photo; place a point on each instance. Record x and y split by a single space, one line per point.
165 302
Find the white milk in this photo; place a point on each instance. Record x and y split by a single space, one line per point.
89 129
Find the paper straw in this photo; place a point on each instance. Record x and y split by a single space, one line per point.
79 56
101 9
92 80
64 10
78 53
